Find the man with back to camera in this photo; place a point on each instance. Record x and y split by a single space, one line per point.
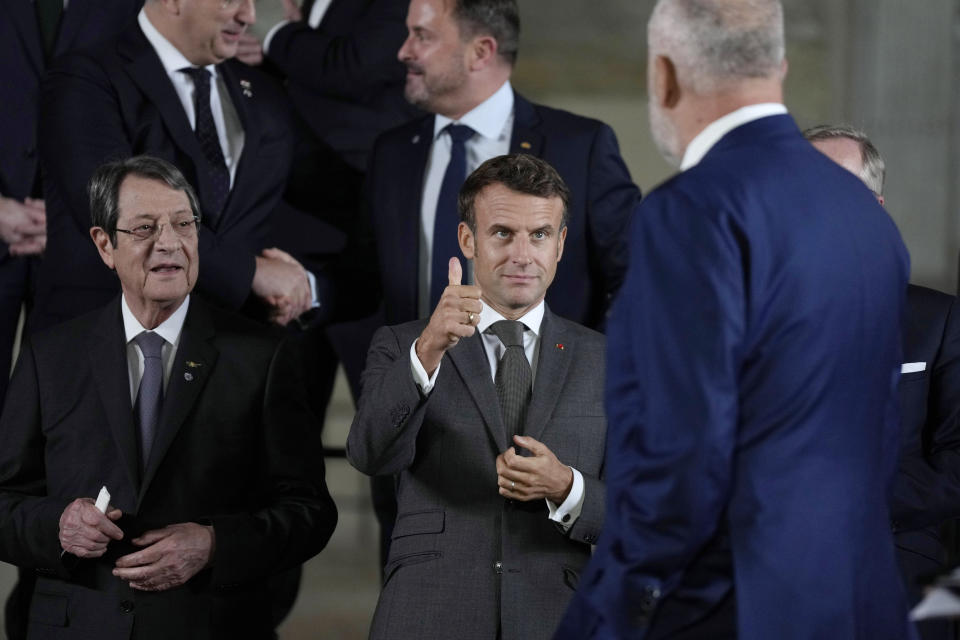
479 411
193 420
926 487
460 56
755 353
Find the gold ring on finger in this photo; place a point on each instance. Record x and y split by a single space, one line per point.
470 317
513 485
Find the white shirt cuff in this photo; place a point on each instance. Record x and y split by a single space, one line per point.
420 376
273 31
568 512
314 299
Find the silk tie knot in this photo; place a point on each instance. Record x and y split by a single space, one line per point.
459 133
150 343
510 332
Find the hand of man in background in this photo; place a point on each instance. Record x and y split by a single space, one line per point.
282 283
291 11
249 49
23 225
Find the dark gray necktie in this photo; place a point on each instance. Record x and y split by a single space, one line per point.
150 393
217 176
514 377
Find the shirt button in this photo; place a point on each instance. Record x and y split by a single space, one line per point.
498 566
126 606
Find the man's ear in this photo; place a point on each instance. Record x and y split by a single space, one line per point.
481 52
102 239
665 83
467 241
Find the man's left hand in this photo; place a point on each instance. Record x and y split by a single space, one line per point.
173 555
535 477
249 50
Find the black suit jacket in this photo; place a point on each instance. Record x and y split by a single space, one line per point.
115 101
236 448
344 78
586 155
927 486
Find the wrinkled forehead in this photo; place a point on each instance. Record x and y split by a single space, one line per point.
498 205
146 197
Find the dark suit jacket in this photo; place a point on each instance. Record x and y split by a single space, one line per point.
927 487
582 150
464 562
751 394
344 78
116 101
235 448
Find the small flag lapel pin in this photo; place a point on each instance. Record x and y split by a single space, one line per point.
245 87
560 346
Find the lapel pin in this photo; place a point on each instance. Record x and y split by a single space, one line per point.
194 365
415 139
188 376
560 346
245 86
526 145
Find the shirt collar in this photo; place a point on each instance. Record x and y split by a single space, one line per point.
714 131
170 57
531 319
169 329
487 118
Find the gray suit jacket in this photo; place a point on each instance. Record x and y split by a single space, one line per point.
464 562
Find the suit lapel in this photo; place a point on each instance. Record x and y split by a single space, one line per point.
471 362
525 137
145 69
70 22
192 366
23 15
241 92
553 364
107 351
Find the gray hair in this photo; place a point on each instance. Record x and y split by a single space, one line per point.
718 41
520 172
874 169
499 19
104 188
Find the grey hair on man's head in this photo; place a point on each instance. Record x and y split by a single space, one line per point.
874 171
716 42
104 188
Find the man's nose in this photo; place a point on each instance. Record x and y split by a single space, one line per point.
248 12
166 237
403 54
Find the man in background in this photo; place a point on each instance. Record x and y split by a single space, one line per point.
927 486
755 353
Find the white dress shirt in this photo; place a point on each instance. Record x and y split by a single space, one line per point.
317 11
492 120
494 349
720 127
169 330
225 118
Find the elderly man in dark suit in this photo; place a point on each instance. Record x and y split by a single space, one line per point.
479 411
751 385
168 86
190 417
927 486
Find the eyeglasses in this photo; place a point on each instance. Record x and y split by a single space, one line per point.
185 228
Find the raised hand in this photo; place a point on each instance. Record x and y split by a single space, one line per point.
455 317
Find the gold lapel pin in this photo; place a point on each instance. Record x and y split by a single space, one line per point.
194 365
526 145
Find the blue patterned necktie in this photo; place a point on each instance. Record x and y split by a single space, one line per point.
445 243
150 393
214 171
514 377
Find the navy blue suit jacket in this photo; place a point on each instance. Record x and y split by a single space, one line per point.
582 150
751 399
927 488
115 101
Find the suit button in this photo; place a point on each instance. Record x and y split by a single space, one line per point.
126 606
498 566
566 517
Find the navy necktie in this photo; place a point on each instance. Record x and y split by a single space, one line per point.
514 377
214 171
445 244
150 393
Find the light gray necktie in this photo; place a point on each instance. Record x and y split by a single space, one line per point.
513 378
150 393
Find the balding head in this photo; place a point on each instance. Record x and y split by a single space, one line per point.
851 149
718 43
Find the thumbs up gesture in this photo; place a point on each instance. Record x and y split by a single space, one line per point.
455 317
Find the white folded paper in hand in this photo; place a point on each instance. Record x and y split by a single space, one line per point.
103 499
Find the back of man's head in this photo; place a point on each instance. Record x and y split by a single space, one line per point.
499 19
871 169
717 43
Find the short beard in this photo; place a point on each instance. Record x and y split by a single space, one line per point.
432 90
